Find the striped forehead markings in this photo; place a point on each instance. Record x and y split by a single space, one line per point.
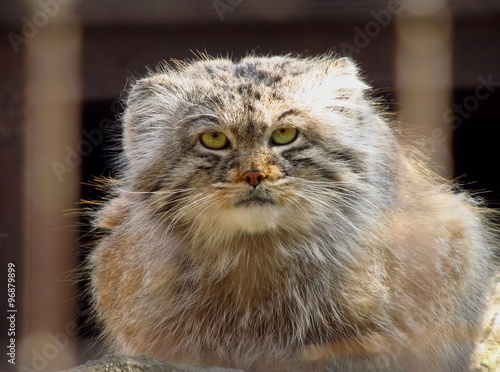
291 112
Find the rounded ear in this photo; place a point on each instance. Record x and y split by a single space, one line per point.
150 100
134 114
343 65
343 78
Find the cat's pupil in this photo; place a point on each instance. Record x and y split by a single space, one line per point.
215 135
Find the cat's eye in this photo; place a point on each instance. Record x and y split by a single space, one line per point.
284 136
214 140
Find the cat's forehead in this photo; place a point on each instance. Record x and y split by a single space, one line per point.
245 80
251 93
245 115
259 79
265 71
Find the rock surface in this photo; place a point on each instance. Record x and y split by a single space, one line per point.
113 363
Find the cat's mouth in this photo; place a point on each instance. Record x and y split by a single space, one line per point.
253 210
255 198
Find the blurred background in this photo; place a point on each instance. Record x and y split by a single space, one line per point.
65 65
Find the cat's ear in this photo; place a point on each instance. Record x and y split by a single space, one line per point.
344 77
341 66
146 99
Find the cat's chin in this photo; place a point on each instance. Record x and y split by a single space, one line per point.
252 218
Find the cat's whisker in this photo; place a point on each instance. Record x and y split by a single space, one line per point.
343 193
159 192
177 215
168 212
208 205
167 204
321 207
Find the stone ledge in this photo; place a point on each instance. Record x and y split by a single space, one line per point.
114 363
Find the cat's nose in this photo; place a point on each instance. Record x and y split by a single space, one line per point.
254 177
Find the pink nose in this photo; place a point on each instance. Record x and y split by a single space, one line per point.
254 177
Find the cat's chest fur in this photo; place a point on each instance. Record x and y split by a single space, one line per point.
256 301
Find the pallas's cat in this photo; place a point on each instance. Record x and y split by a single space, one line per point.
267 217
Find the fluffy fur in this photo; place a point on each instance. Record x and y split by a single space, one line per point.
348 256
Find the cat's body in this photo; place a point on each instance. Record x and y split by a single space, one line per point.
336 251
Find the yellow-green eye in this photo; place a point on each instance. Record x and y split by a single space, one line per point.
214 140
284 136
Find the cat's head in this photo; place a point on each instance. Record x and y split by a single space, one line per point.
261 144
